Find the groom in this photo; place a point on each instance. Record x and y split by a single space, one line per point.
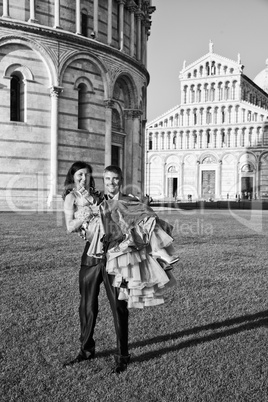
92 274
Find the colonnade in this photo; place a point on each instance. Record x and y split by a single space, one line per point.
210 92
208 138
139 23
225 114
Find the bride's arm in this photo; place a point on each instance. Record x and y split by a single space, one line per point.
73 224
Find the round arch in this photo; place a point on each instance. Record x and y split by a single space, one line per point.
75 56
14 68
125 84
43 53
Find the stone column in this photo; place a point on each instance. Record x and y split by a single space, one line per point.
55 91
237 179
132 8
258 178
139 15
108 132
32 12
239 137
143 43
182 180
197 179
164 179
6 9
121 24
57 14
218 180
78 17
143 147
109 23
133 149
246 137
96 18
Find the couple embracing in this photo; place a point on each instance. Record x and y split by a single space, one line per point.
128 248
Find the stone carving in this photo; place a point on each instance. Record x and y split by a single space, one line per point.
209 159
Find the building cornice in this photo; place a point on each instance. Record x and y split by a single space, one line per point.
69 37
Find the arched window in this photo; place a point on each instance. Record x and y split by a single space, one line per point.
182 113
236 138
192 94
156 141
222 138
215 138
168 140
230 114
236 113
201 116
195 117
207 68
242 141
215 115
162 141
220 91
208 138
200 138
17 91
206 92
174 141
188 116
181 139
198 93
250 137
212 92
234 90
185 94
208 116
82 102
194 139
213 68
229 138
227 90
223 114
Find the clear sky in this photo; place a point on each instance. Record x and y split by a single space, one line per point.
181 30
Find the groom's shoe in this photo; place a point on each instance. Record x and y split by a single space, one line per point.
78 359
121 363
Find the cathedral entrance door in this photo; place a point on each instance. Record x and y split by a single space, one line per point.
246 187
208 184
172 187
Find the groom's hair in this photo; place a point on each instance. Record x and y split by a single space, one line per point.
114 169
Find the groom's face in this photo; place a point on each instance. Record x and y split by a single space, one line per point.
112 183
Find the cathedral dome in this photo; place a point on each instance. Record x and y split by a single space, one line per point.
261 79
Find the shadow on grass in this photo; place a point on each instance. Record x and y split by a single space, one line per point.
239 324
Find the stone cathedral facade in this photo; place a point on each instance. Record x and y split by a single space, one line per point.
73 84
214 145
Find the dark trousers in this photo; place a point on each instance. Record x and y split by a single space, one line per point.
91 275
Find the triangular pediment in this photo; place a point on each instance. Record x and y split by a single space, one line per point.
212 59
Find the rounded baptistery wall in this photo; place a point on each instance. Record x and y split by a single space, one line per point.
73 84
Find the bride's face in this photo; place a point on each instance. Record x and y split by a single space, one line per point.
81 178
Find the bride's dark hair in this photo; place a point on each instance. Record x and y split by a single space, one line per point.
69 180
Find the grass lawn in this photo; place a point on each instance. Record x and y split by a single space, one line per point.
208 342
